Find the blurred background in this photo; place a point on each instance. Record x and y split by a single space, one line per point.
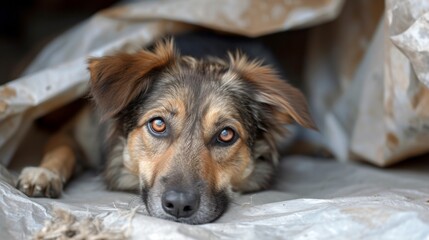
26 26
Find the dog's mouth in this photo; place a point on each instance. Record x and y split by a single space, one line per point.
185 206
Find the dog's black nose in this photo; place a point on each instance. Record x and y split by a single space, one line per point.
180 204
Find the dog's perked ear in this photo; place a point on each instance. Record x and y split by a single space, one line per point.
116 80
284 102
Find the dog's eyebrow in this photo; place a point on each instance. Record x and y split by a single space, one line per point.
163 106
223 121
162 109
169 109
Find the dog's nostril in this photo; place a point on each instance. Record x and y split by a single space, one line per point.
169 205
180 204
187 208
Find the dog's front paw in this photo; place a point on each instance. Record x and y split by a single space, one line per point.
40 182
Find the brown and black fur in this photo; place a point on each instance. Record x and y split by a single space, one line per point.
196 98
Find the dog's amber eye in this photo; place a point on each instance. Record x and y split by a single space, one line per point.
157 125
227 135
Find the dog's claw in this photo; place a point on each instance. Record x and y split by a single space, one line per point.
40 182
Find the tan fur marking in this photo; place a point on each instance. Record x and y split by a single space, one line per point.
59 155
129 164
227 173
209 169
136 154
244 169
60 160
222 166
161 164
150 163
234 167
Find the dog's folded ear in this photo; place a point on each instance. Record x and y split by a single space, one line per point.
118 79
284 102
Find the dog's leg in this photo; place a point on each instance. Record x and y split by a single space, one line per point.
56 168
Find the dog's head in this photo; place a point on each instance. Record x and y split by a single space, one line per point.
195 130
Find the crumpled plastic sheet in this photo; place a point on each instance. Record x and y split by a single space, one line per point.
368 80
312 199
410 33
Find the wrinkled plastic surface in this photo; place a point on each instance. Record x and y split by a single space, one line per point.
312 199
368 80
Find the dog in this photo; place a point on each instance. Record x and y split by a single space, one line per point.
184 131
